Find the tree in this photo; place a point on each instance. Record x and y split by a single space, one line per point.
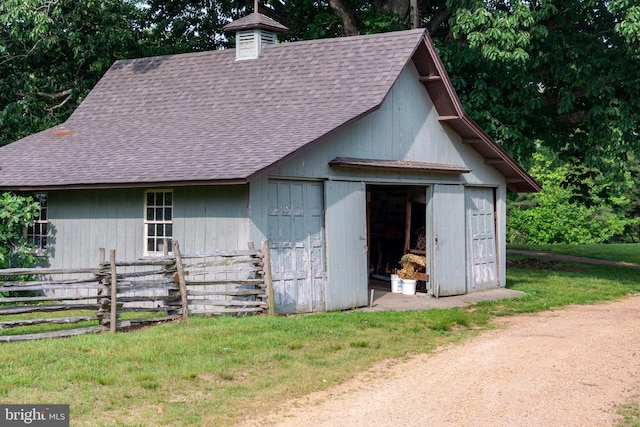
556 215
188 26
632 210
53 52
16 213
559 72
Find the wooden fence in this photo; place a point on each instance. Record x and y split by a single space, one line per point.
146 291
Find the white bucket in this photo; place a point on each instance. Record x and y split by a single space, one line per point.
409 286
396 284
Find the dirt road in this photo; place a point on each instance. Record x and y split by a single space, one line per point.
565 367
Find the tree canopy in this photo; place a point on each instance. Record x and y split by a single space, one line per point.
53 52
555 73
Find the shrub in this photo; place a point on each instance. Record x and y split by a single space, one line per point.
16 212
561 214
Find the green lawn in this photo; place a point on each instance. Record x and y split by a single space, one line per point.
215 371
627 252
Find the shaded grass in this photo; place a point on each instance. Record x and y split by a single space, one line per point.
627 252
215 371
34 329
560 283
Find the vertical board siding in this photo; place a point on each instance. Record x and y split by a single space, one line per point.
317 245
295 233
481 240
82 221
501 231
259 207
346 230
212 218
450 253
405 127
205 218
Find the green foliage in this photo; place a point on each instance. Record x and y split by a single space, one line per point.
53 53
16 212
556 215
632 210
629 24
373 22
560 72
501 31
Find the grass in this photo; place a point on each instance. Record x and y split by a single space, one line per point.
216 371
630 414
627 252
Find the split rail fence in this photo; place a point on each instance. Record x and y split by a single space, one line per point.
67 302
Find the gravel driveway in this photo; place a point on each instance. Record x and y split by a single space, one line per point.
565 367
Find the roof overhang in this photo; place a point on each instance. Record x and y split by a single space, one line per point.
404 165
253 21
121 185
450 112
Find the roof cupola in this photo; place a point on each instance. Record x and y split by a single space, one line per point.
253 33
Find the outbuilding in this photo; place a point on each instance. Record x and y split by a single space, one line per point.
344 153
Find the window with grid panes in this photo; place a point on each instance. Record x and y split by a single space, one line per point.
37 233
158 224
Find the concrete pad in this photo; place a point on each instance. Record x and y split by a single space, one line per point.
384 300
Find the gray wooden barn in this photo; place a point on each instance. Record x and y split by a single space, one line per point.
344 153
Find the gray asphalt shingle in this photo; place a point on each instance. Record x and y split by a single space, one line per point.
206 117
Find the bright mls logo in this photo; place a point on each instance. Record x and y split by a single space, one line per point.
34 415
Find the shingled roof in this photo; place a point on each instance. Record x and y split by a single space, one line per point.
204 118
255 20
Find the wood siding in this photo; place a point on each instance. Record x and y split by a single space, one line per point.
406 127
81 221
296 239
449 241
346 245
210 218
481 239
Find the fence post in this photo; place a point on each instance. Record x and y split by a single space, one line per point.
268 279
181 282
114 292
101 281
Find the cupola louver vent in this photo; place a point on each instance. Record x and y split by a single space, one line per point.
249 43
253 33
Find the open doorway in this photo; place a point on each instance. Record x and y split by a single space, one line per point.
396 225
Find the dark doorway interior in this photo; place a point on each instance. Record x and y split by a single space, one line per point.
396 225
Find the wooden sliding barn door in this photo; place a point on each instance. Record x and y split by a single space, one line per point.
296 240
481 238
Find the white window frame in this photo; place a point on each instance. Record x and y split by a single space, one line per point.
38 233
158 222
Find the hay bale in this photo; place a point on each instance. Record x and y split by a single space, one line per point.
414 259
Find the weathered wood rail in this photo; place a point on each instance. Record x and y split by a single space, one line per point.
146 291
